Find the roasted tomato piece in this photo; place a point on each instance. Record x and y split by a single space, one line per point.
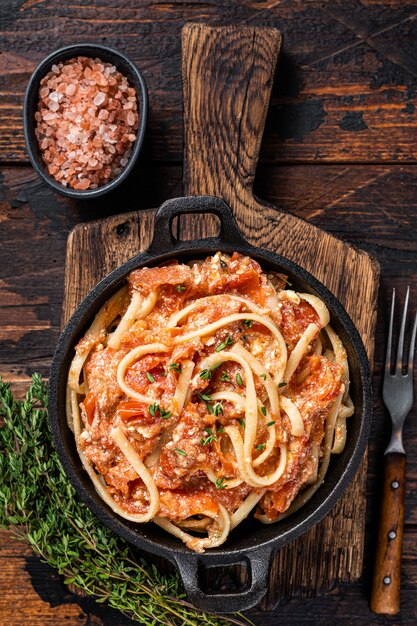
89 404
149 278
131 409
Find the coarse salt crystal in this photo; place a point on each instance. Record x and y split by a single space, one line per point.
99 99
83 147
71 89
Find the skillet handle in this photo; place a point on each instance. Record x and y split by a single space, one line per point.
258 565
164 241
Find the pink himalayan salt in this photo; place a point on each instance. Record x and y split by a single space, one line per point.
86 122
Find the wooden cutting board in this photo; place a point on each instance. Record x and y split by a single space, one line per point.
227 77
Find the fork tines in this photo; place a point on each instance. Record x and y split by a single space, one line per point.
400 349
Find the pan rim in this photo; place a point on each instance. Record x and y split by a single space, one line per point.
89 306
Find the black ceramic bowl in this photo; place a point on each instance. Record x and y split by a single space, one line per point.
136 80
251 543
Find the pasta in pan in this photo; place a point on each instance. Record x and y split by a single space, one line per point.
204 391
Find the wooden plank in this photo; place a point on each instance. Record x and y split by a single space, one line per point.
220 157
374 207
345 90
264 226
32 594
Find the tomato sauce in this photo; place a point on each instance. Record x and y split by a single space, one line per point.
185 446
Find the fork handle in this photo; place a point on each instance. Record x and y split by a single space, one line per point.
385 597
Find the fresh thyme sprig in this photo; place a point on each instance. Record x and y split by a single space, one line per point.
39 505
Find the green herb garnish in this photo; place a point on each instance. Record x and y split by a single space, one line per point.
205 397
176 367
242 422
150 377
158 411
218 410
181 452
153 409
206 374
263 376
260 446
239 380
225 344
41 508
263 409
271 423
220 484
181 288
282 384
211 437
248 323
225 377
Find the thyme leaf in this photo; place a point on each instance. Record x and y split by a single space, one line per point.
206 374
220 484
158 411
211 437
225 344
41 508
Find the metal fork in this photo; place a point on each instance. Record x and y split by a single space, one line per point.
397 394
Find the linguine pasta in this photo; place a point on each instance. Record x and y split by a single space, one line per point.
205 391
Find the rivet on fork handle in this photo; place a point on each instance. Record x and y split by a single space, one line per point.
386 584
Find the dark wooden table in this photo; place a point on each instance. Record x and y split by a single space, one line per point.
340 149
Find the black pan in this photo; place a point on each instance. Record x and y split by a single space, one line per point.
251 543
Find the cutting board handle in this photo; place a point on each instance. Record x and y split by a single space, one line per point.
227 75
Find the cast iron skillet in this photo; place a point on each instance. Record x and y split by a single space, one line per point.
251 543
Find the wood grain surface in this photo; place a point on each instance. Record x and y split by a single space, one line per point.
225 107
346 88
374 208
386 585
342 113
